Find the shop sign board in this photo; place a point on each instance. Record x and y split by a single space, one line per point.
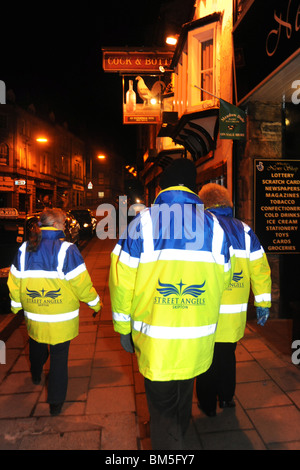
130 61
277 205
144 81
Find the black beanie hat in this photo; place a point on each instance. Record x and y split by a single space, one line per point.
180 172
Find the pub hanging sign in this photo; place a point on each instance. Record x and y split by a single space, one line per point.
133 60
277 205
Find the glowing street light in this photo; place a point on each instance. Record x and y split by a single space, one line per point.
172 40
101 157
42 139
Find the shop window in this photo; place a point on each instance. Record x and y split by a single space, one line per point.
100 178
64 165
78 170
3 154
45 164
22 159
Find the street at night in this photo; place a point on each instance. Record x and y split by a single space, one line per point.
106 406
149 228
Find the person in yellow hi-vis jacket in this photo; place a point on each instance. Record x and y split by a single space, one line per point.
167 277
48 279
251 271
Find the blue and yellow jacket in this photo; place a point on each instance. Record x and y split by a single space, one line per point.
49 285
166 285
252 270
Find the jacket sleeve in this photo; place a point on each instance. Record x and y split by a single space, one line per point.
76 274
14 293
14 285
226 251
122 277
260 273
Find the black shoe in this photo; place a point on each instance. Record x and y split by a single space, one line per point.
210 413
227 404
55 408
36 379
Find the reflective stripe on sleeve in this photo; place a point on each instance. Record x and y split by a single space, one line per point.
92 303
75 272
263 298
121 317
61 258
256 254
130 261
22 256
168 332
233 308
15 304
58 317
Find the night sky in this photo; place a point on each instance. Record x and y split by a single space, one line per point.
51 57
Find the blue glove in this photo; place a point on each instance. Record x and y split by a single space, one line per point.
127 344
262 314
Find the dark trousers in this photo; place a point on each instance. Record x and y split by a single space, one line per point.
58 375
170 407
218 382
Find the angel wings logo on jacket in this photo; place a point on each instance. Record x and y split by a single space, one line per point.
43 297
237 281
180 296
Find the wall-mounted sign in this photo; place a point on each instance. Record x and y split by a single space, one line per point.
232 122
277 205
132 60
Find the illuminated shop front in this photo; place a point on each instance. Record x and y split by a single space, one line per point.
267 86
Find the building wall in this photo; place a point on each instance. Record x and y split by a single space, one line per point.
224 82
51 173
264 140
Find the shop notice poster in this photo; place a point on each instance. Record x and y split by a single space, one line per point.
277 205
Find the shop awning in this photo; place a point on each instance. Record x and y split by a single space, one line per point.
165 157
197 132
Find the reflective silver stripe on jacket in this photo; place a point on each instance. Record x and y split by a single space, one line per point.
92 303
171 254
233 308
40 273
170 332
57 317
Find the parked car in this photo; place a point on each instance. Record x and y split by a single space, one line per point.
72 229
86 220
12 235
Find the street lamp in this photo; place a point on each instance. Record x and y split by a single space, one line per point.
42 139
101 157
171 40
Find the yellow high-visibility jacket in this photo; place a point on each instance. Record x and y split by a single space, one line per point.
252 270
166 289
49 285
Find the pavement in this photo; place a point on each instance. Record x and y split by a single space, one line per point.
106 407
